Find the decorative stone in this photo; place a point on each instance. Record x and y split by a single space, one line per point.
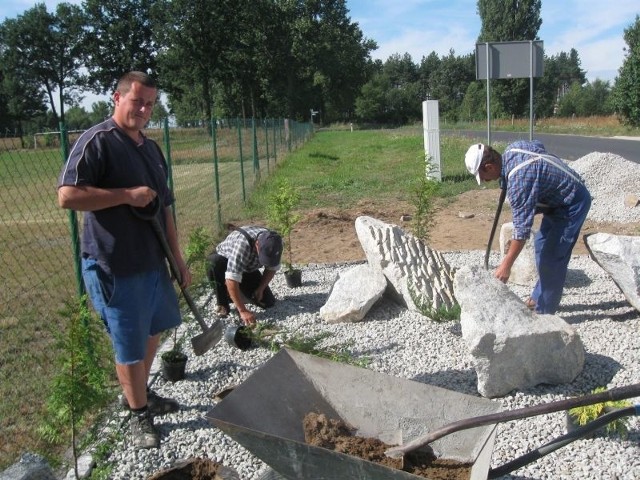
30 467
619 256
631 200
511 347
414 271
353 294
523 271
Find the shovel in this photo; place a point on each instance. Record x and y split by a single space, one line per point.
503 194
614 394
210 336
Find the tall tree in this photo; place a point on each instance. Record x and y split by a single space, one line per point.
426 71
21 96
341 63
50 50
450 82
626 92
509 20
506 21
119 39
196 36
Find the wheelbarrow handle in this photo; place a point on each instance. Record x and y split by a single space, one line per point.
562 441
612 395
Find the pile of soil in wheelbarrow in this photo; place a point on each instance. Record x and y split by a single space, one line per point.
196 469
336 435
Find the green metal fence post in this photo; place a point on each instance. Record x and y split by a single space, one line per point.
167 148
256 158
215 171
73 219
275 150
244 194
266 139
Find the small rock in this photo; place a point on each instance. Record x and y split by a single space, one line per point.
86 463
631 200
30 466
405 218
466 215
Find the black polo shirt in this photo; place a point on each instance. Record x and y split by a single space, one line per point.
106 157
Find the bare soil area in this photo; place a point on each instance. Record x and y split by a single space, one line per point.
461 223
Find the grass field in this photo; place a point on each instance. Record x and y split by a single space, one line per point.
335 168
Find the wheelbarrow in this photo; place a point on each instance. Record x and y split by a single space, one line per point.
265 415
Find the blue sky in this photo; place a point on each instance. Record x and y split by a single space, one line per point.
593 27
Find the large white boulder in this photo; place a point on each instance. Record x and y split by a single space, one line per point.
414 271
619 256
511 347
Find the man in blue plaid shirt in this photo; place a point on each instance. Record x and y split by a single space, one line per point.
536 182
234 268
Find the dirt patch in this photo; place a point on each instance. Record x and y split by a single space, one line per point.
463 223
336 435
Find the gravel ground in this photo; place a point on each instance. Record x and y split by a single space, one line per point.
592 303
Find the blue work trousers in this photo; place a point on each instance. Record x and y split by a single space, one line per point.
554 243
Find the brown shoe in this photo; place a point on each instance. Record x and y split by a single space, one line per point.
531 304
222 311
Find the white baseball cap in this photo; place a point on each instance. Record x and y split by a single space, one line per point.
473 159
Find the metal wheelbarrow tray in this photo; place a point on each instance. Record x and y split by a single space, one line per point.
265 415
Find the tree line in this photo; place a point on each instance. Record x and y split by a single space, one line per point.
276 58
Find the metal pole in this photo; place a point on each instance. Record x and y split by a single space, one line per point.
214 139
530 90
167 147
244 194
73 219
488 96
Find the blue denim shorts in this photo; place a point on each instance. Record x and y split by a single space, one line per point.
133 307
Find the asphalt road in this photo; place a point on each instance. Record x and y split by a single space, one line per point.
568 147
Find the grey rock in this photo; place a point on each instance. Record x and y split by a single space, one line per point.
30 466
353 293
513 348
523 271
619 256
414 270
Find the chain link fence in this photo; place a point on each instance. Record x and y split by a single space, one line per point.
213 167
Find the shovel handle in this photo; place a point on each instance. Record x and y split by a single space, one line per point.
503 194
150 214
612 395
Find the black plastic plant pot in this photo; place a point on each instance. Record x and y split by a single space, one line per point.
293 277
238 337
174 370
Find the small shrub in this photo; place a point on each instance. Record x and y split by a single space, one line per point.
281 216
81 386
440 314
270 336
588 413
175 354
199 245
423 195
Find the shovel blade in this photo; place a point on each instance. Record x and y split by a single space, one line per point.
205 341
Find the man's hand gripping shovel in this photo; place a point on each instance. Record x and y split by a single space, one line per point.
210 336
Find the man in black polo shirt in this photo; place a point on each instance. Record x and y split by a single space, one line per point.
111 168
